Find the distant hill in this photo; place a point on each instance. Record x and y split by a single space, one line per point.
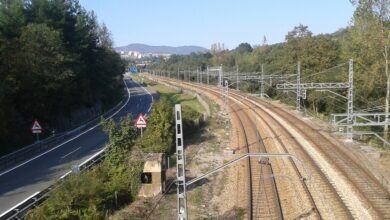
143 48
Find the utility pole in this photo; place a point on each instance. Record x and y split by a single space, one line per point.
220 78
201 75
237 81
350 101
226 94
208 82
221 72
262 82
298 107
197 74
386 129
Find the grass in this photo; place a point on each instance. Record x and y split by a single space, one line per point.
240 213
195 196
175 96
222 182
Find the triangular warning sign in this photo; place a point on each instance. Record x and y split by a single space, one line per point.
140 121
36 128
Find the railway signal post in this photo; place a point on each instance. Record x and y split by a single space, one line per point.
180 165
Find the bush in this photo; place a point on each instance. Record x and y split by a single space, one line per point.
159 135
192 120
93 194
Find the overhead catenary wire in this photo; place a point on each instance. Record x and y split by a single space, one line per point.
324 71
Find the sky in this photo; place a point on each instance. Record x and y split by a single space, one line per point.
204 22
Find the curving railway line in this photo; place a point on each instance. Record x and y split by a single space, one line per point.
336 187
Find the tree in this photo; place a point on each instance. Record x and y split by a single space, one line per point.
297 44
158 136
244 48
121 139
104 36
368 37
55 59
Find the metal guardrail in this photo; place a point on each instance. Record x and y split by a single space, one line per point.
20 210
32 150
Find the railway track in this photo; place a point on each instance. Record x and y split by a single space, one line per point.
263 197
355 194
264 206
336 209
375 198
264 201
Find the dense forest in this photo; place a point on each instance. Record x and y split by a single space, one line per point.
323 58
55 58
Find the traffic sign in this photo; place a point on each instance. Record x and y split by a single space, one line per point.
36 128
133 69
141 121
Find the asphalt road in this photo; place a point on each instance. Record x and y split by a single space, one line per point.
20 182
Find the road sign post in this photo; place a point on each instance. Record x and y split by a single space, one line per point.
141 122
36 129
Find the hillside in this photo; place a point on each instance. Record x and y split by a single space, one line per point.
144 48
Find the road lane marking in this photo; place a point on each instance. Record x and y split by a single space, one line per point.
91 157
70 153
151 104
67 141
67 173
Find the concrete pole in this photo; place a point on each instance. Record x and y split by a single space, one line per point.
262 82
350 101
197 74
208 82
298 107
201 76
180 167
237 81
221 74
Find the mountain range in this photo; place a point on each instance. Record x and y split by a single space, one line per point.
144 48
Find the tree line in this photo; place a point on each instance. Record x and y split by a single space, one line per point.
55 58
365 41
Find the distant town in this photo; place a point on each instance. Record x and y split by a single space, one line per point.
135 55
144 52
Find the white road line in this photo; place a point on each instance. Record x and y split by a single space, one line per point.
67 173
91 157
151 104
77 136
70 153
